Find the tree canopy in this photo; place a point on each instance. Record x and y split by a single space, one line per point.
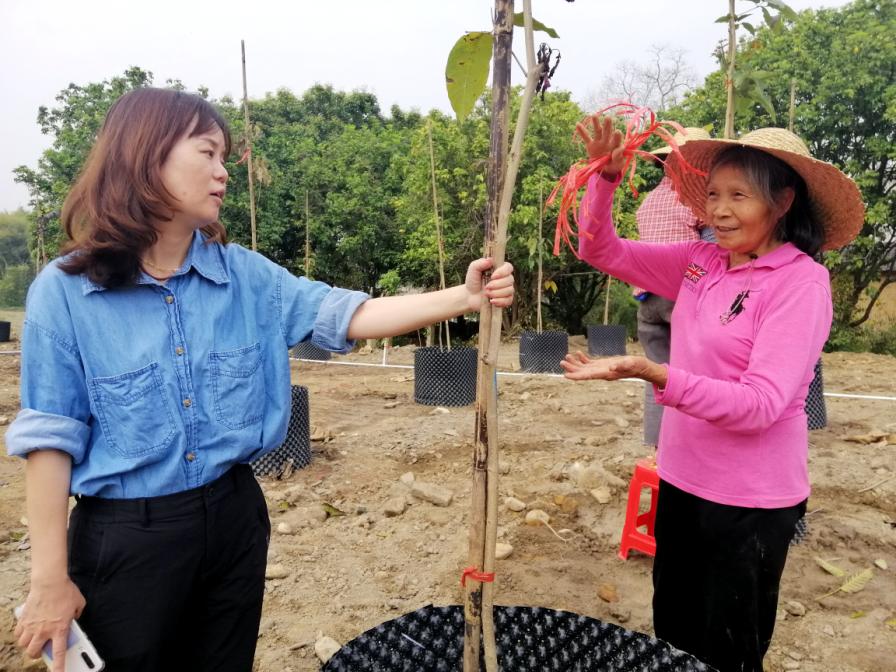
366 173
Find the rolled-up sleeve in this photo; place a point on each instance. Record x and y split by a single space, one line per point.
55 404
315 311
335 314
36 430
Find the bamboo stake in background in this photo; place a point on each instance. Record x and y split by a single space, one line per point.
435 212
729 78
249 149
540 275
307 237
792 103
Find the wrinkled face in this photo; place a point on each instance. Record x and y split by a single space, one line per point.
743 221
194 174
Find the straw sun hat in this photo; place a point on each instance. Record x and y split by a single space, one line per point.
834 198
690 134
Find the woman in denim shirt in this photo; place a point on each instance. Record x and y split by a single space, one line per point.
154 369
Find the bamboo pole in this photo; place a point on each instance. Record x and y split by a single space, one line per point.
729 80
485 389
540 274
513 164
435 212
792 104
249 148
478 604
607 301
307 237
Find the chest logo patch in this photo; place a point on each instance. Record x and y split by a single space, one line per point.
694 272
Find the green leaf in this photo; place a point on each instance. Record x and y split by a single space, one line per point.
783 8
765 100
723 19
788 13
467 71
536 25
749 26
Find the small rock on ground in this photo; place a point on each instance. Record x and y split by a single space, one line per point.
502 551
514 504
326 648
434 494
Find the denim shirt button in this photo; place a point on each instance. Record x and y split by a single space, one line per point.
190 457
187 403
178 351
169 299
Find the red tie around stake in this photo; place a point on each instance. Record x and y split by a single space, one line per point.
476 575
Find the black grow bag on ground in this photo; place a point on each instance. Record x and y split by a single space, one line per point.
529 639
445 377
307 350
605 340
816 410
543 352
4 331
296 449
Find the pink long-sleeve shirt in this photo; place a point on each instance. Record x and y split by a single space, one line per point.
735 429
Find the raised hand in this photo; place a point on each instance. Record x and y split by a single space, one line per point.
603 140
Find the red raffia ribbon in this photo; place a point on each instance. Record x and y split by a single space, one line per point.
641 124
244 156
476 575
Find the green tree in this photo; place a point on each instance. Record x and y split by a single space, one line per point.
842 63
14 285
74 124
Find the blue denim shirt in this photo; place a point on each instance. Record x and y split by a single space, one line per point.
155 389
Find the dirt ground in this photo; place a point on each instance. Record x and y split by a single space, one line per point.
560 441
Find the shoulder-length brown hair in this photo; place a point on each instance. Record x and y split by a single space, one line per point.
109 212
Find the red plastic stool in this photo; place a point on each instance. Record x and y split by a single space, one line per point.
645 476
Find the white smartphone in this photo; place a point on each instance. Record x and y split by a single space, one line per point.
81 656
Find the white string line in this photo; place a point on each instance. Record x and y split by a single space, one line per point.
839 395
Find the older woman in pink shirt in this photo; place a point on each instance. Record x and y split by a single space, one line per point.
752 313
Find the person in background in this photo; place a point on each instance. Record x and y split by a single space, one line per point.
155 368
751 315
662 219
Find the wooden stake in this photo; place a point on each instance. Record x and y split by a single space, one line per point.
478 604
486 395
307 237
435 212
607 301
540 274
792 103
249 147
729 80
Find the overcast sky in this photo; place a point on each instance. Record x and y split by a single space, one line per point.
395 49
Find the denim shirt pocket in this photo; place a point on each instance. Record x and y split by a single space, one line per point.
238 383
133 412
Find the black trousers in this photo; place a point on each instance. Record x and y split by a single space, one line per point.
174 582
716 576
